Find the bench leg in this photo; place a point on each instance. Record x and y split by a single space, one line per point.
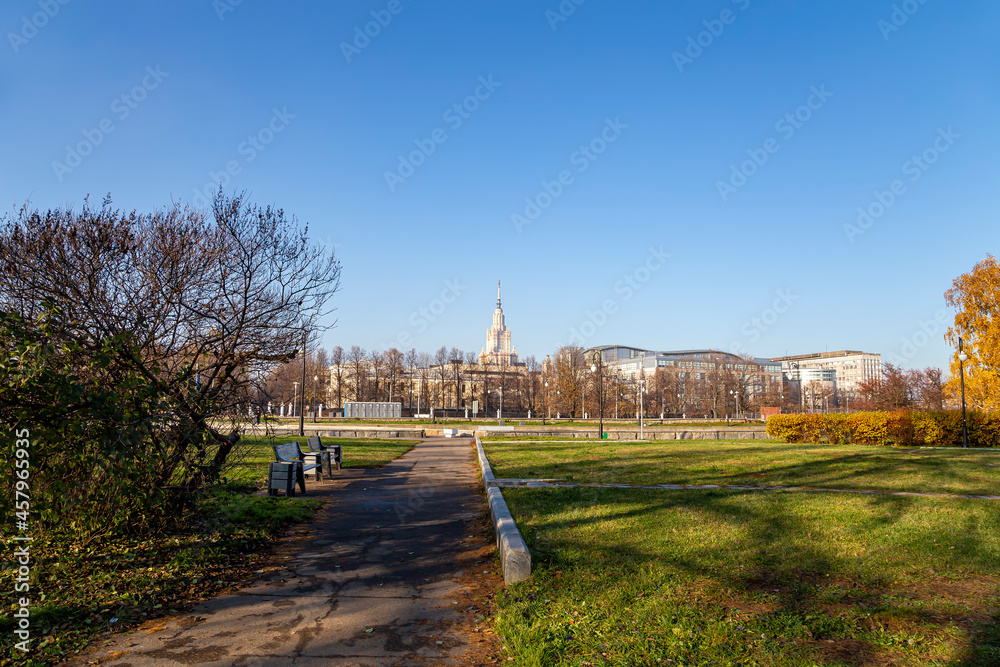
328 465
300 475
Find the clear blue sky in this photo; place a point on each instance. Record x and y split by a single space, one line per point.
678 128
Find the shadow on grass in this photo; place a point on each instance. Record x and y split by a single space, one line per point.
874 468
854 580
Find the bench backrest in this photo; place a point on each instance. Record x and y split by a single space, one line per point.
314 444
288 451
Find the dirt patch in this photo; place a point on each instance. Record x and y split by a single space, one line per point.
481 579
853 652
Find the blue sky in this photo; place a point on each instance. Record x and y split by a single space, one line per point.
639 244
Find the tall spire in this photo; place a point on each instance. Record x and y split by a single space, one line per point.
498 294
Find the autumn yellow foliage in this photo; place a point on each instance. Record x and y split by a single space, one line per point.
976 299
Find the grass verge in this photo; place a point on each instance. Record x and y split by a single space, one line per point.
636 577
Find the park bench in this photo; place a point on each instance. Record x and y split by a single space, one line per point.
290 466
328 454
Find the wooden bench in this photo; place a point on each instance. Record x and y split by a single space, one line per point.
289 467
327 453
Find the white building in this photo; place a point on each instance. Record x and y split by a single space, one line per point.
498 349
851 366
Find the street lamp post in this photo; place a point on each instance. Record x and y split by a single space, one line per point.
642 390
545 395
962 357
600 400
302 411
315 382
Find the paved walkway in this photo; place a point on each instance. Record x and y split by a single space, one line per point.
392 574
512 483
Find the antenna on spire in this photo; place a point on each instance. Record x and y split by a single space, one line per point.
498 294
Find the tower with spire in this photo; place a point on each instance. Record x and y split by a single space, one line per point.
498 349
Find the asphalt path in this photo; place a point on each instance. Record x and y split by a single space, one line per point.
394 571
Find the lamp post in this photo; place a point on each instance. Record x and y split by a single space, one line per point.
302 411
545 395
600 400
962 357
642 390
315 382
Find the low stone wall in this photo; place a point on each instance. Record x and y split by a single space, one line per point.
406 434
356 432
515 559
693 434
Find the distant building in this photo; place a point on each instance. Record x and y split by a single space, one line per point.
700 379
850 367
694 364
498 349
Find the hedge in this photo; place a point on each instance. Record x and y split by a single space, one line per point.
938 428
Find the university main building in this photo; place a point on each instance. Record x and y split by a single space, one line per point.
498 349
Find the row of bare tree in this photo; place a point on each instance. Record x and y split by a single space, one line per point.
726 386
904 389
567 386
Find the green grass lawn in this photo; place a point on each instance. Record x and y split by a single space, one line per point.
753 462
726 578
248 464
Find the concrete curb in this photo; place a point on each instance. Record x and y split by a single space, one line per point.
514 555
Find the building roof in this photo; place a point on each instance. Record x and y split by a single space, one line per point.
823 355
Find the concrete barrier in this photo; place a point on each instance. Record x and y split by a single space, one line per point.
514 555
694 434
407 434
